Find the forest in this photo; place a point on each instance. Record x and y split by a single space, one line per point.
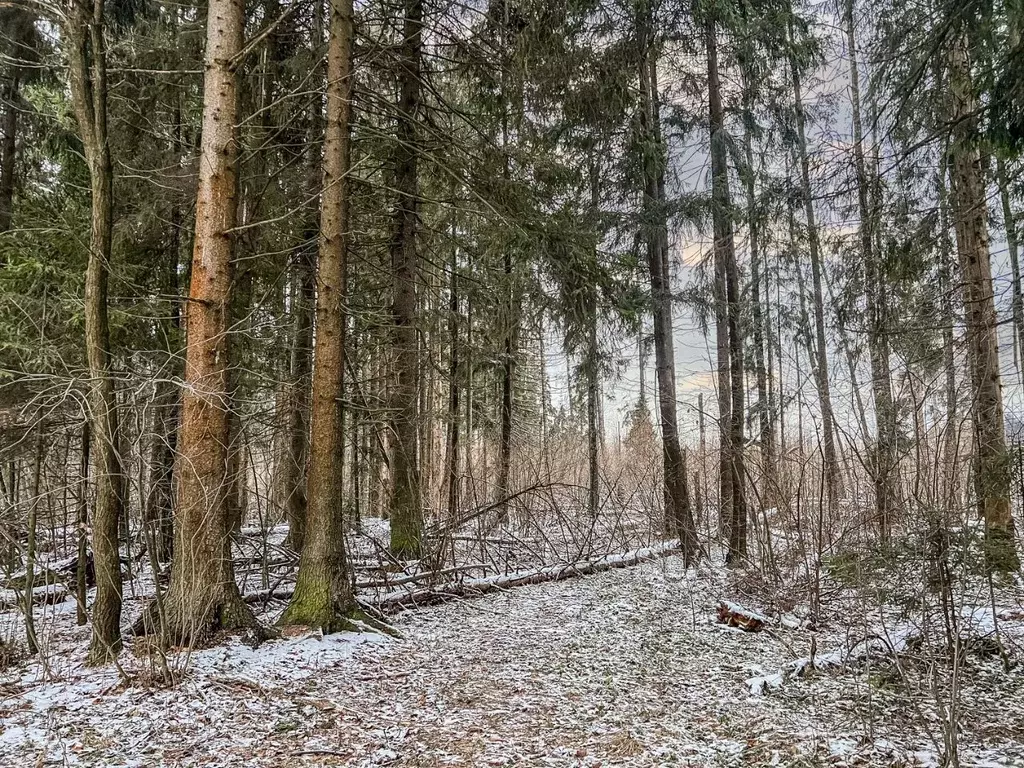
511 382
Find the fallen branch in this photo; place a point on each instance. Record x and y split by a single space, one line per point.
425 576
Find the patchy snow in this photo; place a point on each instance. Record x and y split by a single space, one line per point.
624 668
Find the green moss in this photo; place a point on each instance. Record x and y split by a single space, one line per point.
313 606
405 538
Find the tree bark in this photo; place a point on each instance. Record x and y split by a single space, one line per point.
202 596
88 78
678 514
725 265
970 222
406 497
883 458
324 594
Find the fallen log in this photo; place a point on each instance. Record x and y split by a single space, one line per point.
405 599
47 594
735 615
266 595
872 646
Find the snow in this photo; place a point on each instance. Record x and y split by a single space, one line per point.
623 668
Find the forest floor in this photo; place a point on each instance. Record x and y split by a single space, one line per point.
624 668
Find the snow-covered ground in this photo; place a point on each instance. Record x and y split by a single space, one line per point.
622 668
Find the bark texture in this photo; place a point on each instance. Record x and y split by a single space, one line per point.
202 596
678 514
730 343
882 458
406 497
88 78
323 591
970 223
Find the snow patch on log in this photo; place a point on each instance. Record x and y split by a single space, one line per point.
735 615
47 594
877 645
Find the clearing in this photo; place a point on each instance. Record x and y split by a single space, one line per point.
627 667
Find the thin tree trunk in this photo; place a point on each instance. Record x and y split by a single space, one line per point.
158 510
725 266
240 311
820 347
765 410
88 70
952 436
454 389
293 476
883 460
591 367
82 509
31 639
406 497
678 514
593 430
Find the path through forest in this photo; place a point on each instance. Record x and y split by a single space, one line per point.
623 668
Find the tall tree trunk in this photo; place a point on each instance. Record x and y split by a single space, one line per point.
323 590
762 368
820 346
678 514
293 475
592 363
970 223
202 596
406 497
883 459
88 70
158 508
725 265
454 390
